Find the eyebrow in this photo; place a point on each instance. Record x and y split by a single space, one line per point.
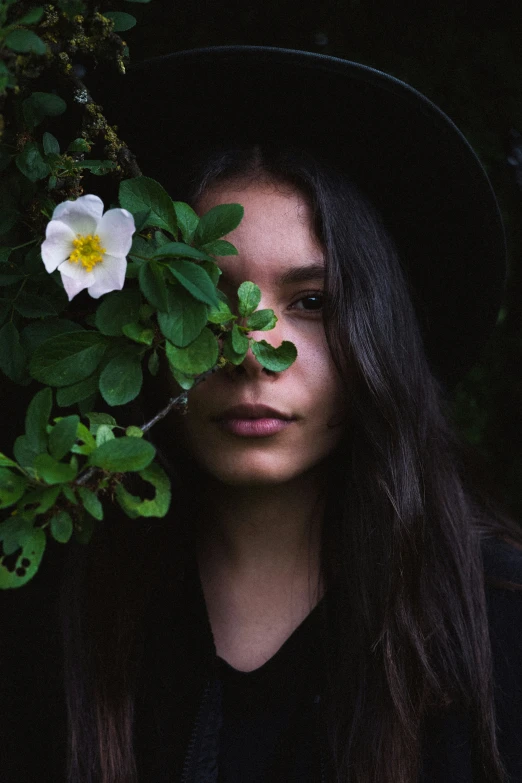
292 275
300 274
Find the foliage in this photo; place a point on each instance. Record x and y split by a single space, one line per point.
168 317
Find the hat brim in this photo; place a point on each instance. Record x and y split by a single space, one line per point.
408 157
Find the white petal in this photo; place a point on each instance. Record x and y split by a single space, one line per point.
82 215
57 245
73 287
76 271
110 275
115 230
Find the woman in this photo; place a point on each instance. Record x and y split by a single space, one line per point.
316 609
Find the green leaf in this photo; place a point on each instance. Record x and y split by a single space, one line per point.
8 218
198 357
24 454
33 305
12 354
85 442
213 271
153 285
31 17
6 80
40 105
185 318
61 527
104 433
229 353
249 297
68 358
134 432
261 321
5 307
140 221
159 239
22 41
12 487
31 163
53 472
186 382
97 167
139 334
187 220
117 309
45 497
275 359
5 462
122 21
6 280
68 493
91 502
50 144
63 436
222 314
79 145
220 247
195 280
70 395
153 364
217 222
141 248
36 420
123 454
143 193
121 379
155 507
37 333
19 531
239 340
180 250
96 420
14 531
53 159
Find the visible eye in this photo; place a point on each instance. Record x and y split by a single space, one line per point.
311 303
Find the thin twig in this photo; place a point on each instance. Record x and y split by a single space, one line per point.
175 402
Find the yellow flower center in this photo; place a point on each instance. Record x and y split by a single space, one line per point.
87 251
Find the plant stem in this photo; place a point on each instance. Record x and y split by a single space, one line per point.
176 402
179 401
18 247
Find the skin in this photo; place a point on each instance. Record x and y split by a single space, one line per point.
259 542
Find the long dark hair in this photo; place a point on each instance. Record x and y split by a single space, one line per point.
401 555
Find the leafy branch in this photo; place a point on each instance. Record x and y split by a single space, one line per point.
149 265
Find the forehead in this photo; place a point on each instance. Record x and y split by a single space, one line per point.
275 239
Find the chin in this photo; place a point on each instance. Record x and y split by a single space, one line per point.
247 472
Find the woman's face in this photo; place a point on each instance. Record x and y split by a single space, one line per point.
246 425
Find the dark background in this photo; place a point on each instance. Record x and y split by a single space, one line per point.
468 59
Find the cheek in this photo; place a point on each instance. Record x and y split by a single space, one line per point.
325 387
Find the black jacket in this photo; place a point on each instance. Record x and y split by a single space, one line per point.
178 700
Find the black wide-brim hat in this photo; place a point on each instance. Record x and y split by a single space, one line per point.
405 154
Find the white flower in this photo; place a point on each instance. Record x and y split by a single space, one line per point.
88 248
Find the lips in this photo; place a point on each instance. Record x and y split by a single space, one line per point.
253 421
252 412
